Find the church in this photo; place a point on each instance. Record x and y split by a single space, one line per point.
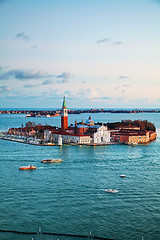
83 133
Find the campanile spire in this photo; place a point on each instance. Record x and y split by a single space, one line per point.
64 103
64 116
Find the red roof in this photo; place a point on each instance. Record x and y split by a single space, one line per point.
59 132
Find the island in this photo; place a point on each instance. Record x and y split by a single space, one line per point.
83 133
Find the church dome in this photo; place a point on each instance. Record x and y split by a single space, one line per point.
90 122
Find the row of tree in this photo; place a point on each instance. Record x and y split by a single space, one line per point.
143 125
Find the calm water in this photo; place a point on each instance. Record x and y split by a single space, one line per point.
70 197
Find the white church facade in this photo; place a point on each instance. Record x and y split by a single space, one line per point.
101 136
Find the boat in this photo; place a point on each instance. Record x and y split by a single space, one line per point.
30 115
133 144
122 176
51 161
111 190
29 167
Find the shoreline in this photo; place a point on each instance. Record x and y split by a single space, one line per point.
74 144
56 112
55 144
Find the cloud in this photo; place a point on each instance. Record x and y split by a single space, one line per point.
24 74
103 40
20 97
89 93
120 87
104 98
31 85
60 81
69 94
123 77
23 36
4 88
118 43
3 69
64 77
47 82
108 40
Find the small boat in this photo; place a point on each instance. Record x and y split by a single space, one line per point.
29 167
51 161
133 144
111 190
122 176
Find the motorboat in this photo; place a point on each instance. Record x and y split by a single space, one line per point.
29 167
122 176
51 161
111 190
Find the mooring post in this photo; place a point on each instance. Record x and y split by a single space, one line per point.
142 238
39 230
90 234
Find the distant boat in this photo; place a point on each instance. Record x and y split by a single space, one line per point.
111 190
30 115
133 144
51 161
122 176
29 167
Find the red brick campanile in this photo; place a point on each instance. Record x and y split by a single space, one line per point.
64 116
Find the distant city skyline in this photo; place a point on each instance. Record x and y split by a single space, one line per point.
98 54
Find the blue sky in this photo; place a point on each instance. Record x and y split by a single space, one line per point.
97 53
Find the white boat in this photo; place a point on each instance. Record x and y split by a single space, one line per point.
111 190
122 176
51 161
28 115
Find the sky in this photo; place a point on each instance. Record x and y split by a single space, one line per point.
96 53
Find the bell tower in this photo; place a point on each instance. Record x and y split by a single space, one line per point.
64 116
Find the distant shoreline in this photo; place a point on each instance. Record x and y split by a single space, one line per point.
52 113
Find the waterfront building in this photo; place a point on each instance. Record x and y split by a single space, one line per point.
71 138
133 136
102 135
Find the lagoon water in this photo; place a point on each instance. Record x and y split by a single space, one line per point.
69 197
